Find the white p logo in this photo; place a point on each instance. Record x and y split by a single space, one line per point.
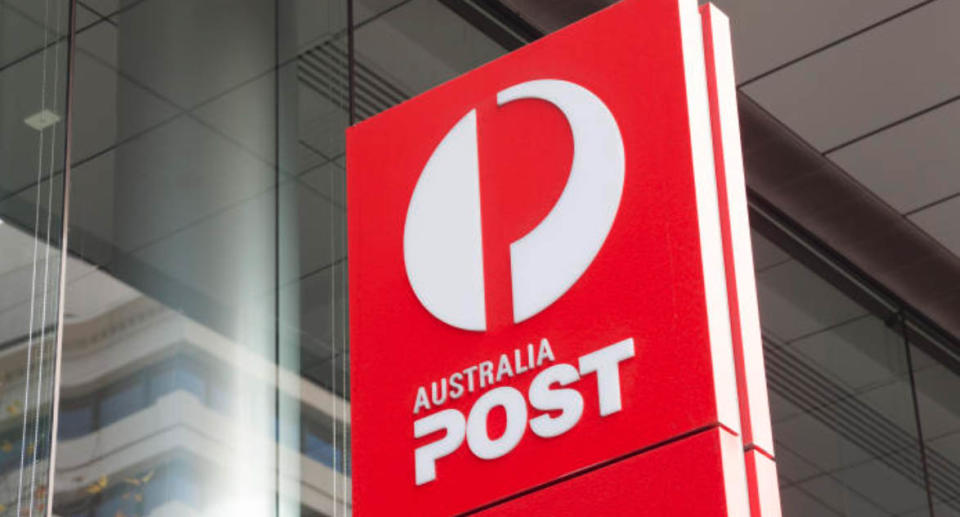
443 243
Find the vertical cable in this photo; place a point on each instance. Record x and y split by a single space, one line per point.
351 102
916 413
46 282
276 250
333 293
64 231
351 61
36 253
333 345
344 369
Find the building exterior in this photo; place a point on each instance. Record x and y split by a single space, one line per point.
193 154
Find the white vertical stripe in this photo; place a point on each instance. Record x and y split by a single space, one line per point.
768 487
708 215
755 376
734 475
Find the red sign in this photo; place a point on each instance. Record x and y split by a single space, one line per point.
684 477
537 275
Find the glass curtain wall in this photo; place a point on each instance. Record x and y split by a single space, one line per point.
33 73
938 406
205 361
846 436
205 329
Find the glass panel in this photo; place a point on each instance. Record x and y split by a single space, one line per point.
208 200
404 48
121 401
161 381
314 100
189 377
938 399
843 416
209 210
174 222
32 109
75 421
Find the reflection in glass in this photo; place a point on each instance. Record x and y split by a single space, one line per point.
174 217
206 359
32 101
845 432
938 404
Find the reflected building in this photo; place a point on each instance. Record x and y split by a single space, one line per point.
156 418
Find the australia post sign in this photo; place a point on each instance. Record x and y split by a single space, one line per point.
551 295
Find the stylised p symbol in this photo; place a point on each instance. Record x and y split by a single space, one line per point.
443 243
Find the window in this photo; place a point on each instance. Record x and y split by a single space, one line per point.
76 421
121 401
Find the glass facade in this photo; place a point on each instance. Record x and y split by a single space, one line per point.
852 398
204 367
33 84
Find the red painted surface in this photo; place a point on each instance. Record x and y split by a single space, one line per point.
644 485
525 146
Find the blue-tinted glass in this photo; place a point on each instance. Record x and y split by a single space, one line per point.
110 506
10 451
188 379
184 485
161 383
155 492
121 401
318 449
174 482
76 421
218 398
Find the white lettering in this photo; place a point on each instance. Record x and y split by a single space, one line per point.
486 373
545 352
456 386
504 368
469 373
569 401
422 401
605 362
438 400
477 437
425 457
549 392
517 366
